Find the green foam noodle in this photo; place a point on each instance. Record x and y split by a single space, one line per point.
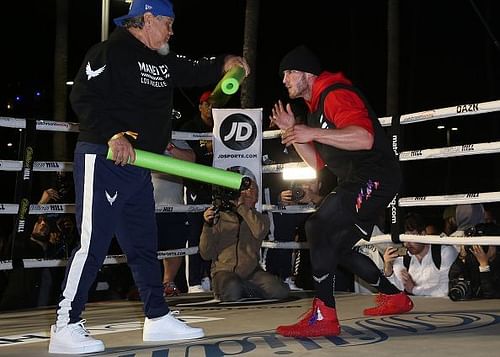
190 170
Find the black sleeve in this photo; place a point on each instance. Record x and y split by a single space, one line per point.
187 72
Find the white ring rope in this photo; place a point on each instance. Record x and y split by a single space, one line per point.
456 111
445 152
386 238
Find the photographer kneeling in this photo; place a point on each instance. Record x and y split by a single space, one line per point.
231 239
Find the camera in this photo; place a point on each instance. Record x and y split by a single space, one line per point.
298 193
402 251
222 196
460 289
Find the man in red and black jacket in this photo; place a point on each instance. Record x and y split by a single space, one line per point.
343 134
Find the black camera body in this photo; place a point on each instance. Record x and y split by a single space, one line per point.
460 289
222 199
222 196
298 192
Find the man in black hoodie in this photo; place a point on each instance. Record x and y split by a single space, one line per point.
123 96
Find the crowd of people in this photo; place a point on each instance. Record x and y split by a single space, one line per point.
132 76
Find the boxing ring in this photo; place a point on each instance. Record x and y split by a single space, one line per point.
457 328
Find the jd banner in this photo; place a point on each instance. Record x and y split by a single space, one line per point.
237 136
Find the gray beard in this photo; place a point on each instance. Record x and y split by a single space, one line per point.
164 50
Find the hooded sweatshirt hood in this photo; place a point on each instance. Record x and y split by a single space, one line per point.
468 216
324 80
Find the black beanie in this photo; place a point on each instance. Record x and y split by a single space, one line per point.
300 59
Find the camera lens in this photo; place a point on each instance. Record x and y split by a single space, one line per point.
460 291
297 194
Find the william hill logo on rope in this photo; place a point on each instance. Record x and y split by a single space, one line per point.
238 131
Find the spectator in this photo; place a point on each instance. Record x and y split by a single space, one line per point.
231 239
375 252
449 223
490 214
476 271
425 271
466 217
172 227
432 229
289 227
198 192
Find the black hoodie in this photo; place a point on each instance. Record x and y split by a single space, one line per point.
122 85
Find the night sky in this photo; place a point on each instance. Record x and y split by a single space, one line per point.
447 58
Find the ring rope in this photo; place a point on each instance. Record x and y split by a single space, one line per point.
468 149
384 238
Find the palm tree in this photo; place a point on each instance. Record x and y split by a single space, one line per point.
250 52
60 76
392 89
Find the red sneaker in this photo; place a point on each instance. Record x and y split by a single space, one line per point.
320 320
390 305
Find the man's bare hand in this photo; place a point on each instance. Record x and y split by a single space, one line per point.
122 149
282 116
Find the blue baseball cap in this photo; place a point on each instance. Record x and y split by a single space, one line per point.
140 7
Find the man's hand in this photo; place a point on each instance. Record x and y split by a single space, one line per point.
50 194
482 257
286 197
230 61
408 282
297 134
209 215
282 116
390 254
122 149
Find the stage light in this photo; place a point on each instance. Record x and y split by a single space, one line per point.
299 173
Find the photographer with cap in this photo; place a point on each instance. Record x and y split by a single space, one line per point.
231 239
342 133
475 274
123 96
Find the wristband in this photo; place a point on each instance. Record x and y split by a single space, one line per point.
132 134
484 269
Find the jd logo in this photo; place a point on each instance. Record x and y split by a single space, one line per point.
238 131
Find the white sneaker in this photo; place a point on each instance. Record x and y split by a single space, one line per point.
206 285
73 339
291 284
168 328
196 289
